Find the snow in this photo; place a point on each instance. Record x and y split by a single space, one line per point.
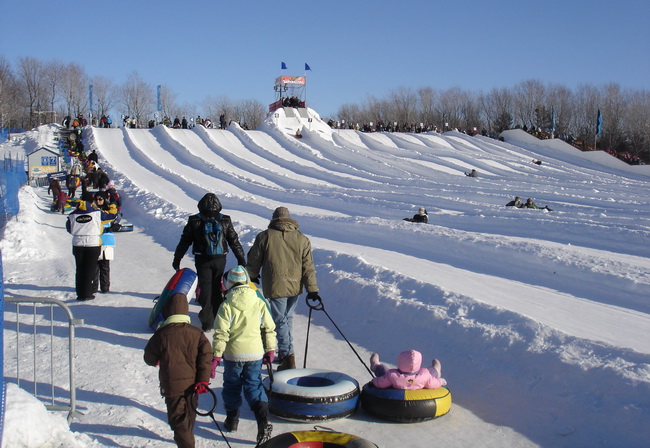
541 319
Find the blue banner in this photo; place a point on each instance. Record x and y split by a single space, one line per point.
90 98
599 124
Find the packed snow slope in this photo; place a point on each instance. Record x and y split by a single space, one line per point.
541 319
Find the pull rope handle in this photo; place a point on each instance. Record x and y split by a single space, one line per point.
195 405
317 304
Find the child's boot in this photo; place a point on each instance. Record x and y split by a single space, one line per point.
264 428
232 420
437 367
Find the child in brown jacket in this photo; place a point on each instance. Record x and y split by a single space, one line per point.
184 355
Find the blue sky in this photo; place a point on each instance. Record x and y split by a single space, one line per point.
355 49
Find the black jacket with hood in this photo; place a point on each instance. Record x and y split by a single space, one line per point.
194 234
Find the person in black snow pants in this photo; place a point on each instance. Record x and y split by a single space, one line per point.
209 232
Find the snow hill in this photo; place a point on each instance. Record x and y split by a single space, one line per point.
541 319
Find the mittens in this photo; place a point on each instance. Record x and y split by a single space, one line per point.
268 358
215 363
201 387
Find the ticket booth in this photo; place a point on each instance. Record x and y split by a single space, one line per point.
42 162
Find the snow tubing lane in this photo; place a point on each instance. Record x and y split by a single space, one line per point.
185 281
312 394
317 439
406 406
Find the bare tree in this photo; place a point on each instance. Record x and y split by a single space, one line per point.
585 110
30 77
637 123
528 98
75 90
450 108
614 107
497 109
559 99
349 115
54 72
10 113
104 95
137 99
214 107
404 101
426 106
253 112
470 112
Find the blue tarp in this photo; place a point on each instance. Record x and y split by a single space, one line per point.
11 179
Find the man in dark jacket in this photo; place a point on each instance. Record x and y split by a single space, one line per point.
184 355
209 233
283 254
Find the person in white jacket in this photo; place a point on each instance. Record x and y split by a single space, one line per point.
85 224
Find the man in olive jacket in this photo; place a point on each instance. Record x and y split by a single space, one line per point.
184 355
283 254
210 248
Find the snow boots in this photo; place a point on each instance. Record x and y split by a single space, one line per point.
232 420
287 362
264 428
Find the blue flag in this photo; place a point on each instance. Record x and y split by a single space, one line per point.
307 67
599 124
284 66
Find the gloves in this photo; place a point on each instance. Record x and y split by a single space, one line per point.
215 363
256 280
313 296
201 387
241 263
176 264
268 358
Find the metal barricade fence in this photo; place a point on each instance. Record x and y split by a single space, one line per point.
39 345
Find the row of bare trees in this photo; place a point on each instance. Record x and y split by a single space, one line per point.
550 109
35 92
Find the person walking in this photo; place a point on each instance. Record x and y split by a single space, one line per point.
283 255
86 225
209 232
54 189
183 354
244 338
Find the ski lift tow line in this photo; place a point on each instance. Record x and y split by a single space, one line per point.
317 304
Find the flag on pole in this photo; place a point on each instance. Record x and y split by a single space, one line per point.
599 124
307 67
284 66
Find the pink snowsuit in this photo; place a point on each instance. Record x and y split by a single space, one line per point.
409 374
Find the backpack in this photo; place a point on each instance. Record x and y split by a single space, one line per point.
214 237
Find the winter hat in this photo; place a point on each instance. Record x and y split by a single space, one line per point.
281 212
237 276
100 194
409 361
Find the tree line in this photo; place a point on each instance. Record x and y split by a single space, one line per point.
36 92
545 110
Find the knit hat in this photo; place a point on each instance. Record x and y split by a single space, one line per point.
281 212
237 276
